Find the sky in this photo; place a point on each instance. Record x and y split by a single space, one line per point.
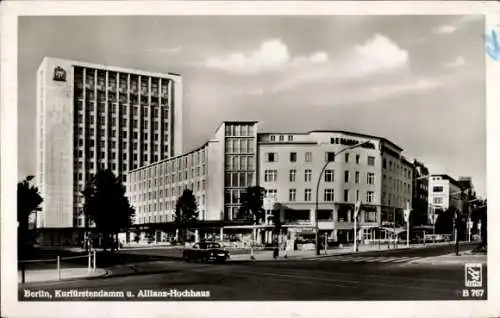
418 81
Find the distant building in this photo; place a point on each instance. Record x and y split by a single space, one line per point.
92 116
420 193
444 193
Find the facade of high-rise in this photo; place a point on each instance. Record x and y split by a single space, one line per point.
217 173
287 165
93 116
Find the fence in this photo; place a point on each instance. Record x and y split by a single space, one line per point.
58 264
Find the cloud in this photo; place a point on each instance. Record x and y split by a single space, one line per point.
378 92
272 55
378 55
458 62
459 23
445 29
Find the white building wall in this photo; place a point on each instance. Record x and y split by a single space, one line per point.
215 182
55 146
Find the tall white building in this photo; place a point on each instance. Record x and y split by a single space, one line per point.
93 116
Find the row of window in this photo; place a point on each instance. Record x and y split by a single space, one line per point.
239 179
240 145
308 157
112 144
238 130
329 175
240 162
393 198
328 195
159 205
102 155
397 184
122 97
121 80
90 106
402 171
281 138
168 182
195 161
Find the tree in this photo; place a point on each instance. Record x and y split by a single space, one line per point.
445 221
28 201
186 211
107 206
479 215
251 208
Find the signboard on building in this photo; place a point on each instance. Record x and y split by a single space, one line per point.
59 74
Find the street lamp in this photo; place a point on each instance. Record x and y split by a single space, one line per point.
317 189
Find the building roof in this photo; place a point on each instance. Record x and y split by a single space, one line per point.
336 132
113 68
447 177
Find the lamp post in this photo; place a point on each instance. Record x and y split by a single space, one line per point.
318 250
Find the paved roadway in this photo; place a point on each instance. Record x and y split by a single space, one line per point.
331 278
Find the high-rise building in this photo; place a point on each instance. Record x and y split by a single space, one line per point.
93 116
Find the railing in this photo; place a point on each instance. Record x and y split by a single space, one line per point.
91 264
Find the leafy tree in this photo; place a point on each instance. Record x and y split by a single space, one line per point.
479 214
28 201
251 208
186 211
107 206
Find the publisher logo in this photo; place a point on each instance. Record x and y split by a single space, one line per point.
473 275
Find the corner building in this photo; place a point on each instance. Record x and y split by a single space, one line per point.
92 116
288 166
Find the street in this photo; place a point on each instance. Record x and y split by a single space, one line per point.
388 275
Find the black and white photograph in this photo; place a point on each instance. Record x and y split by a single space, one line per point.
212 158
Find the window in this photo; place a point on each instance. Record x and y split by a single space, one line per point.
272 138
292 194
346 195
370 196
437 189
370 178
357 159
272 157
356 177
346 176
329 175
290 138
293 174
328 195
308 175
293 156
330 156
272 193
308 156
282 138
346 157
438 200
357 195
270 175
371 160
307 195
384 163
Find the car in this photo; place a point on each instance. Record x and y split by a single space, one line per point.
206 252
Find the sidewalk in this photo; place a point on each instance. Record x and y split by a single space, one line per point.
346 250
447 259
48 275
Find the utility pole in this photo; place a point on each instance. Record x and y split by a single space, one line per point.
407 220
357 206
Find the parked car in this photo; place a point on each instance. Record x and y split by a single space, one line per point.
206 252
